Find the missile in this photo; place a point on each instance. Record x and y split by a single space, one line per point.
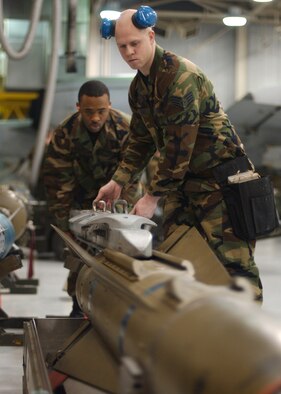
7 235
14 206
170 333
13 219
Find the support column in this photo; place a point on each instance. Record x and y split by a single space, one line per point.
93 61
241 63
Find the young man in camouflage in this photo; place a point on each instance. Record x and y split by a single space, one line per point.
83 154
175 110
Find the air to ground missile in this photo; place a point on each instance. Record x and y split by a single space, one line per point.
167 331
13 219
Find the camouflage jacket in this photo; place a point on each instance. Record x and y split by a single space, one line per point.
75 168
175 110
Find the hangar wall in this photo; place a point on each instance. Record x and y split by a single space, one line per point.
212 47
213 50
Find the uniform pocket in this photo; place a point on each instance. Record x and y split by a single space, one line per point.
251 208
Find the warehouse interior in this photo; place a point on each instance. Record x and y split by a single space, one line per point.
48 49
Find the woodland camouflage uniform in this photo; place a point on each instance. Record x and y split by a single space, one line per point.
76 166
176 112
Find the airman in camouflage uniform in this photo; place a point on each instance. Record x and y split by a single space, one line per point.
81 157
176 112
83 154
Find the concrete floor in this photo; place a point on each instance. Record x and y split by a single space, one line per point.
51 299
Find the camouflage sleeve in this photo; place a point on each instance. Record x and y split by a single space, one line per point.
139 149
58 177
181 123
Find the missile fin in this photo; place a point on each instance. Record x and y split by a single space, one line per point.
100 360
88 259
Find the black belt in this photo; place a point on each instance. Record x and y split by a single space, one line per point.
231 167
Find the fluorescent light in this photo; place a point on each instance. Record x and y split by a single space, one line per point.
234 17
234 21
262 1
110 14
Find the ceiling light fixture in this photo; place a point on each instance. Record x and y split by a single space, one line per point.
110 14
262 1
234 18
110 10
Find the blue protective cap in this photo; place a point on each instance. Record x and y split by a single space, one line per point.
107 28
144 17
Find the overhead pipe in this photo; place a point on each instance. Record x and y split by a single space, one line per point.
35 16
44 123
71 66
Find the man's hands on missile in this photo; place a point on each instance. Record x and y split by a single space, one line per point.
145 206
109 192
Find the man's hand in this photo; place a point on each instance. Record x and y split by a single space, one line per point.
109 192
146 206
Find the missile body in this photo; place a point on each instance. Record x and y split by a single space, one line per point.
7 235
14 206
185 336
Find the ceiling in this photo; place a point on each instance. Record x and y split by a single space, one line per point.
188 14
207 11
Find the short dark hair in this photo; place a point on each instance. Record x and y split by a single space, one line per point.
93 88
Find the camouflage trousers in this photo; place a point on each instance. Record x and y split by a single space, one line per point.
208 213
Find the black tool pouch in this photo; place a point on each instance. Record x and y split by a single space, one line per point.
250 205
251 208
